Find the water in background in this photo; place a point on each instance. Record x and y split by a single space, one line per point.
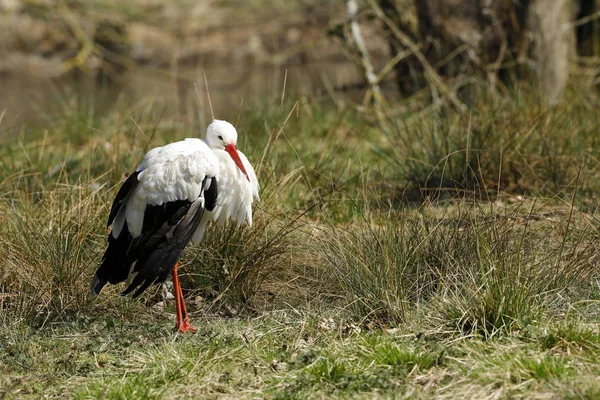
27 101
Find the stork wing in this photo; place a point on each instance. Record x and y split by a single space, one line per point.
156 212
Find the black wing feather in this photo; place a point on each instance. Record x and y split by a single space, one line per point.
210 195
126 188
166 230
162 250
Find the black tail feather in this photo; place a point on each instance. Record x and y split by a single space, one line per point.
143 287
116 260
96 285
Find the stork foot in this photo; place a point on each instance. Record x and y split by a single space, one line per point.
184 326
183 322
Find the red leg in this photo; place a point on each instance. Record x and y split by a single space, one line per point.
177 299
183 321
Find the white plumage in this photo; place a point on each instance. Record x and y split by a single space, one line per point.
236 194
169 173
174 193
176 172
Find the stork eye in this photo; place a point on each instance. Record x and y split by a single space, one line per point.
220 137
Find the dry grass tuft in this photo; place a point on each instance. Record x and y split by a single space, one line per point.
50 248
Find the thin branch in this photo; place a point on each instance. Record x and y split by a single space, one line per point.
582 21
392 63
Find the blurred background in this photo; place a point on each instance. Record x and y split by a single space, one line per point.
392 53
157 50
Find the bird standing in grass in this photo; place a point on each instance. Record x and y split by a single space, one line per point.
167 202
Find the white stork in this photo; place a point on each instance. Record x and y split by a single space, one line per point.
167 202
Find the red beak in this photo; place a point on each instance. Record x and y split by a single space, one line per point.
230 148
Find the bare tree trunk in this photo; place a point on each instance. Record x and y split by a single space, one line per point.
554 46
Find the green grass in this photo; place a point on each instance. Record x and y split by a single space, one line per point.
348 285
280 355
502 144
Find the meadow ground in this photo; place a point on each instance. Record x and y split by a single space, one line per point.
436 254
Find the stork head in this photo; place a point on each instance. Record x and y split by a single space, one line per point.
221 135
